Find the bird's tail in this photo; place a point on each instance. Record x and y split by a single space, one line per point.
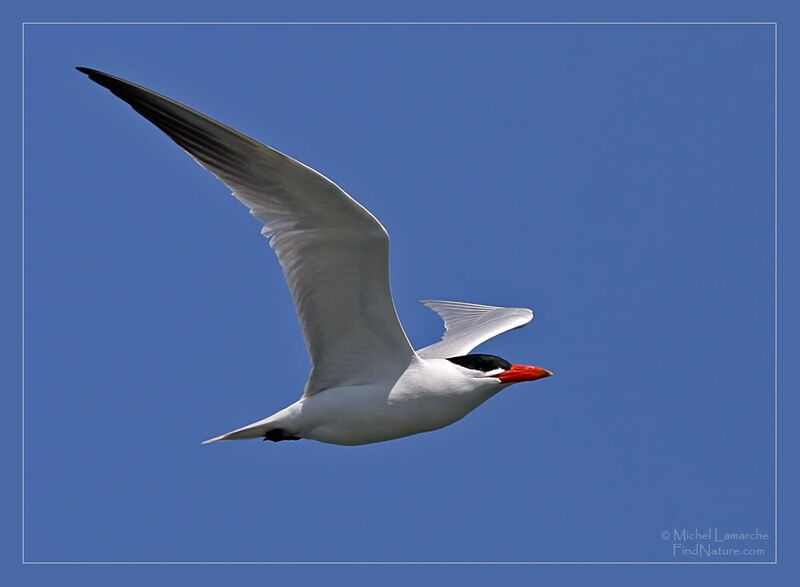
254 430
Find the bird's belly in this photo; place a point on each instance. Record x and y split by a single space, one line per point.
355 416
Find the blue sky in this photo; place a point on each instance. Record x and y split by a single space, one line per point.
616 179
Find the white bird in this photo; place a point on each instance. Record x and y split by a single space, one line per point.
367 384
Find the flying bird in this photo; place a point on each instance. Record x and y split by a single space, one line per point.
367 383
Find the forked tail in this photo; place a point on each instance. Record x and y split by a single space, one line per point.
260 429
254 430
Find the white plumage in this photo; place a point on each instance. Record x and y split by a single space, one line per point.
366 384
468 325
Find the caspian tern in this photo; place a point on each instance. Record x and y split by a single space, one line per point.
367 384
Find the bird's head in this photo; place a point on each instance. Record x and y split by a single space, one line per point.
497 368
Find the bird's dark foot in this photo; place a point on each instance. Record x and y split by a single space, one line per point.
278 434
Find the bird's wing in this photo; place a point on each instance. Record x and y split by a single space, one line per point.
468 325
333 252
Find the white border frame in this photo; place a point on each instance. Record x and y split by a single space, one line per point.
774 24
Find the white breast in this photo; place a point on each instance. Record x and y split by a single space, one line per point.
429 395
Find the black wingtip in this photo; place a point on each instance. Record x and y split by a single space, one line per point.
98 76
116 85
94 75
